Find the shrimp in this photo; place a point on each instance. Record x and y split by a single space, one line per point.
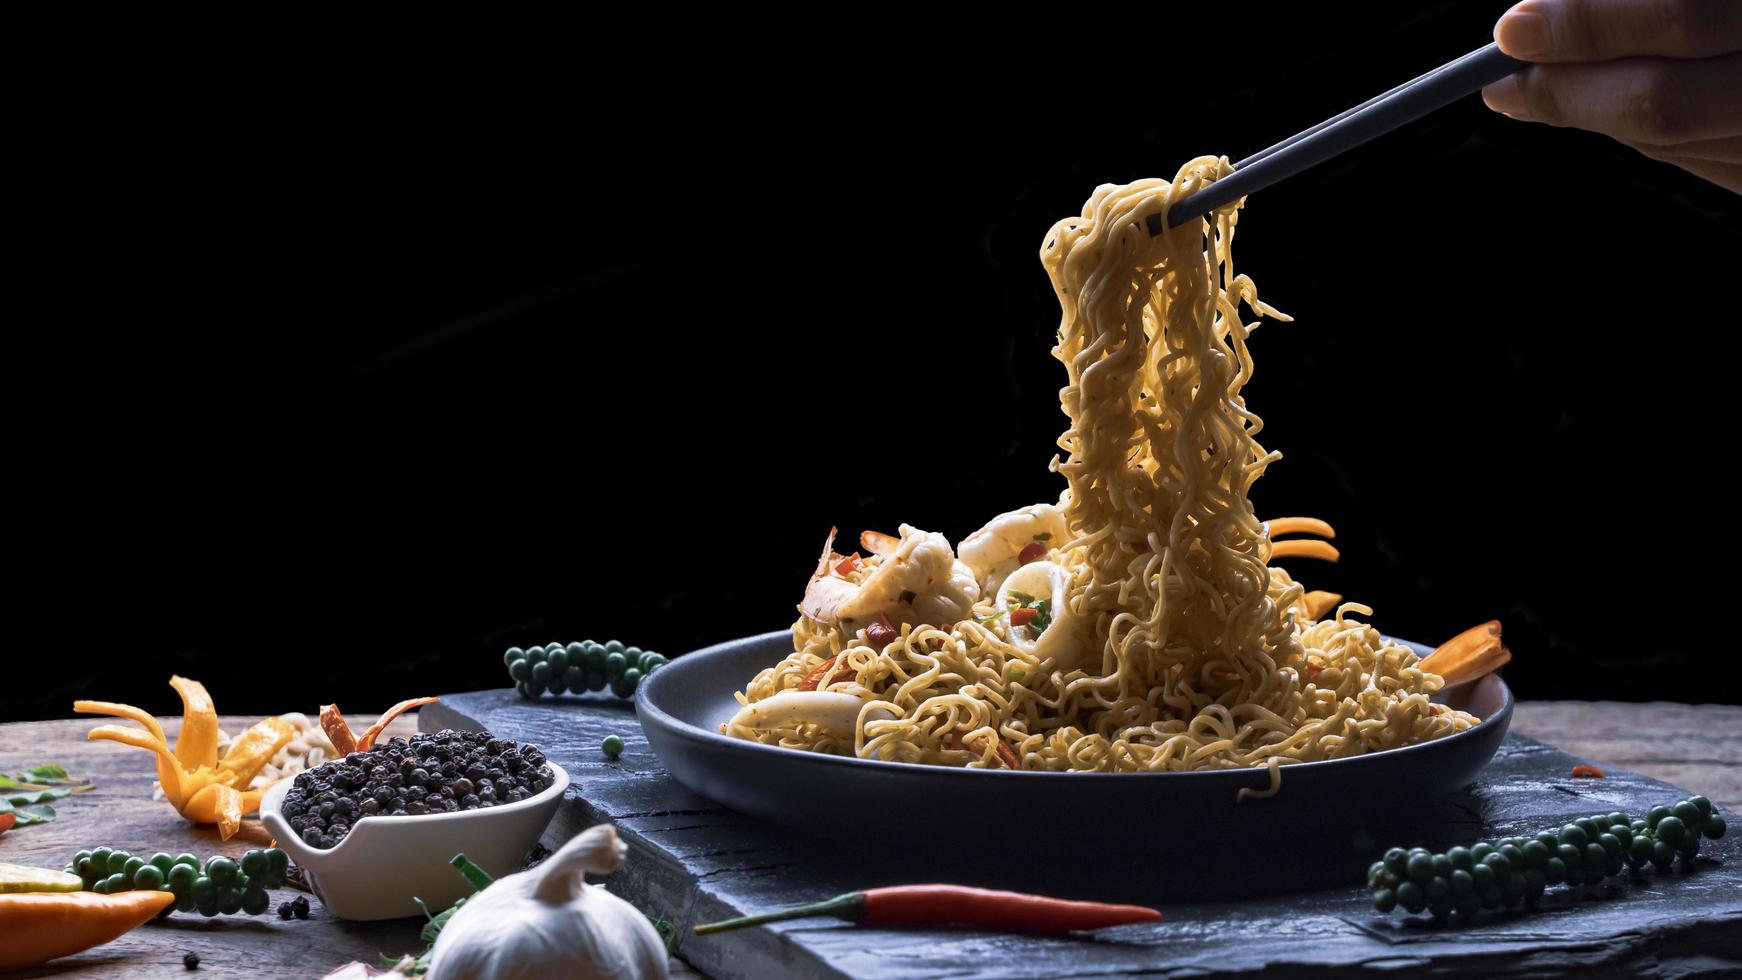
997 549
918 580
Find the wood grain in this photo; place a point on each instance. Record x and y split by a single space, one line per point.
1698 747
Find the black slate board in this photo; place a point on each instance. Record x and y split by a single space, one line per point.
691 861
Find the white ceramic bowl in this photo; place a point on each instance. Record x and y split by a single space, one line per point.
384 862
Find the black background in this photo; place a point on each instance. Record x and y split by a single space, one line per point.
370 353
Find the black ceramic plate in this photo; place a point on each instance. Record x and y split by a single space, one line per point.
1185 825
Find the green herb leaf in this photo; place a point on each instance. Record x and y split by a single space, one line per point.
1022 598
1017 673
44 773
1043 536
1043 617
39 796
36 813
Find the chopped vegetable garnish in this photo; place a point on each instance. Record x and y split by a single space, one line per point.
1033 551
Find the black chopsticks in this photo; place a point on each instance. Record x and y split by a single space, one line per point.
1347 130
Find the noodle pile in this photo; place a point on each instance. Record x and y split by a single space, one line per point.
1177 646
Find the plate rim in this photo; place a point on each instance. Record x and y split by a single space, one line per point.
651 713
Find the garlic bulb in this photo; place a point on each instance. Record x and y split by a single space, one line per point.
548 922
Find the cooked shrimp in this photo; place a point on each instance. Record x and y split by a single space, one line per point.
919 581
999 548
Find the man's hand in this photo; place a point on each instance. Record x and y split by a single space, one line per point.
1662 76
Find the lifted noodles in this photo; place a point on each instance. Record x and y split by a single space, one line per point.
1136 625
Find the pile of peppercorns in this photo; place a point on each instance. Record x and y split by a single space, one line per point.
430 773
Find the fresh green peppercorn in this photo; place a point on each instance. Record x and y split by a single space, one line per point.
221 870
594 659
1460 858
1384 900
1501 866
1437 889
1385 879
118 861
596 680
184 902
535 654
1571 855
651 662
100 859
1639 851
1662 855
1575 835
520 670
576 652
1671 830
613 646
615 664
1469 906
556 685
1534 853
1491 897
541 673
1374 870
1689 846
147 877
1442 865
1411 897
1688 814
1549 839
161 861
1396 860
118 883
277 860
574 678
624 687
1555 871
1514 857
188 859
1480 851
1613 819
1715 826
1588 825
1623 833
513 655
229 900
254 863
202 889
632 655
613 746
1483 875
1595 856
180 878
1609 843
1462 882
1534 883
80 857
558 660
1702 804
132 866
100 886
1513 887
525 690
1656 816
88 870
256 901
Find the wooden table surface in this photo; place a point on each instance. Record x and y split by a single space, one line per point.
1696 747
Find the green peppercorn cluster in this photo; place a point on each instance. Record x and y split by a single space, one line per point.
577 667
221 885
1515 871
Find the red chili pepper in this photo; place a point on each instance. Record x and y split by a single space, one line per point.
814 679
1005 754
848 565
1583 771
1034 551
1022 616
955 905
880 635
6 821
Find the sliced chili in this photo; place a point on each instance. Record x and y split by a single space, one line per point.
1022 616
1583 771
1034 551
848 565
814 679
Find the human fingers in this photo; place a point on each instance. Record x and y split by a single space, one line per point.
1602 30
1725 150
1646 100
